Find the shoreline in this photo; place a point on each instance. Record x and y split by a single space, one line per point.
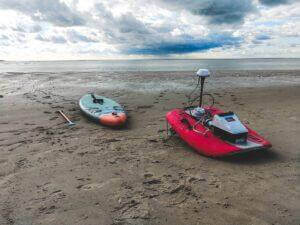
64 83
144 59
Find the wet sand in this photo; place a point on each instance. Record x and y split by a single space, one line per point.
87 174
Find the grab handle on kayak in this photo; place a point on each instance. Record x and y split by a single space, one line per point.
97 100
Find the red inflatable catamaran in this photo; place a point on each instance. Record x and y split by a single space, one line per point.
212 132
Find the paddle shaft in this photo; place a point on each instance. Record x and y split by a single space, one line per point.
65 117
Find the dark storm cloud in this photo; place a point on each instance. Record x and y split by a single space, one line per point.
224 11
217 11
187 46
274 2
221 11
52 11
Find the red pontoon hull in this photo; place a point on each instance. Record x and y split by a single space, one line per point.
204 141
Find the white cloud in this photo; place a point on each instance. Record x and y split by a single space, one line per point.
70 29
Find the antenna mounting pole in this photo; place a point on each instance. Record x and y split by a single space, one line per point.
202 73
201 91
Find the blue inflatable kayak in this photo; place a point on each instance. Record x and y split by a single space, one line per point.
102 110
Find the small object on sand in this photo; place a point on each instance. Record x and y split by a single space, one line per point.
1 96
70 123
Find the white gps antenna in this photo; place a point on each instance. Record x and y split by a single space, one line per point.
202 73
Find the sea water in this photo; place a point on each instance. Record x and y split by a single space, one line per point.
144 75
149 65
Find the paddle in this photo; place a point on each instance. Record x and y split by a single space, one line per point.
70 123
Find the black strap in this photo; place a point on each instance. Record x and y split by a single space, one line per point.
97 100
186 122
226 114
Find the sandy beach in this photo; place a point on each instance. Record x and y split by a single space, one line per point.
88 174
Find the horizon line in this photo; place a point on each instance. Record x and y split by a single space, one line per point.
132 59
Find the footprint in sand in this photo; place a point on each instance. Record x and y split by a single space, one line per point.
109 184
3 161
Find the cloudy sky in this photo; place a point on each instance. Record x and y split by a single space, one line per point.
109 29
